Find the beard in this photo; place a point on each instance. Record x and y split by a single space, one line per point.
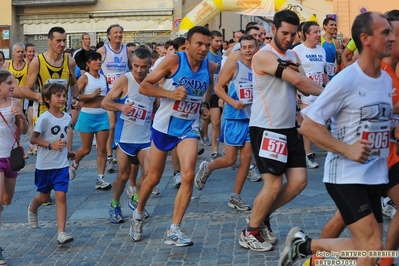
278 43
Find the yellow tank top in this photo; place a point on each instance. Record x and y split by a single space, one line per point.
52 74
19 74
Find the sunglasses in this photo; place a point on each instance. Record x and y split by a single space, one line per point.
269 38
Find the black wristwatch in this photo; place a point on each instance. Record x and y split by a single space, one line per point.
76 98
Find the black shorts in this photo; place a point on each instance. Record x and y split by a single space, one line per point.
214 101
134 160
393 177
296 156
30 103
355 201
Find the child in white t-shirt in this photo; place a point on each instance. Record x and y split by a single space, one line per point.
50 134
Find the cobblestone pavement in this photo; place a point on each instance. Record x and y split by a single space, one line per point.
213 226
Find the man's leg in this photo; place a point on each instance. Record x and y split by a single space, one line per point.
157 166
215 114
235 200
115 211
176 169
296 182
187 153
110 158
392 242
145 186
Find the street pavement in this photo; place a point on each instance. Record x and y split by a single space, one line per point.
214 227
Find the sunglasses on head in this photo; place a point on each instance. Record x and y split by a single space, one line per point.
269 38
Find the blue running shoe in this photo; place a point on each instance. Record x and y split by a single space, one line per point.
116 214
177 238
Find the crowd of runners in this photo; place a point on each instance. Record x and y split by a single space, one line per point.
267 96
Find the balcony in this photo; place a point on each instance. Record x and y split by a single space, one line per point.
52 2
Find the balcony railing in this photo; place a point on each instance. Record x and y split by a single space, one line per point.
51 2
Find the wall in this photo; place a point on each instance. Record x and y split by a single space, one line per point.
347 10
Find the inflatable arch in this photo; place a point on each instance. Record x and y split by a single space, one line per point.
208 9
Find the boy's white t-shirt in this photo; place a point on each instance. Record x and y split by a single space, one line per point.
52 129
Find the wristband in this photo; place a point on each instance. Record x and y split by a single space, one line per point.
76 98
49 146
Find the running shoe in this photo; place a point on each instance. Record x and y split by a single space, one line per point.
177 179
102 183
130 191
291 252
206 141
202 176
73 168
311 162
215 155
32 219
254 241
116 214
2 260
388 208
64 238
110 166
155 191
48 203
253 175
136 229
238 203
133 206
266 230
201 151
177 238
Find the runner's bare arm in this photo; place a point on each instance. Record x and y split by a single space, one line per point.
119 89
73 84
212 69
320 136
31 80
229 73
168 66
265 62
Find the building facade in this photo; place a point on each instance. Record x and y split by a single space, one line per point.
146 21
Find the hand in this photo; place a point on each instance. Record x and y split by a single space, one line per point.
359 151
39 98
179 94
204 113
127 108
17 112
71 155
96 93
239 105
298 97
58 145
294 67
75 103
221 103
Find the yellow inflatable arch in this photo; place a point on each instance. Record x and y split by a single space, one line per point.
208 9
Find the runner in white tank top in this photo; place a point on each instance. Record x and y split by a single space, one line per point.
274 137
116 62
132 136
